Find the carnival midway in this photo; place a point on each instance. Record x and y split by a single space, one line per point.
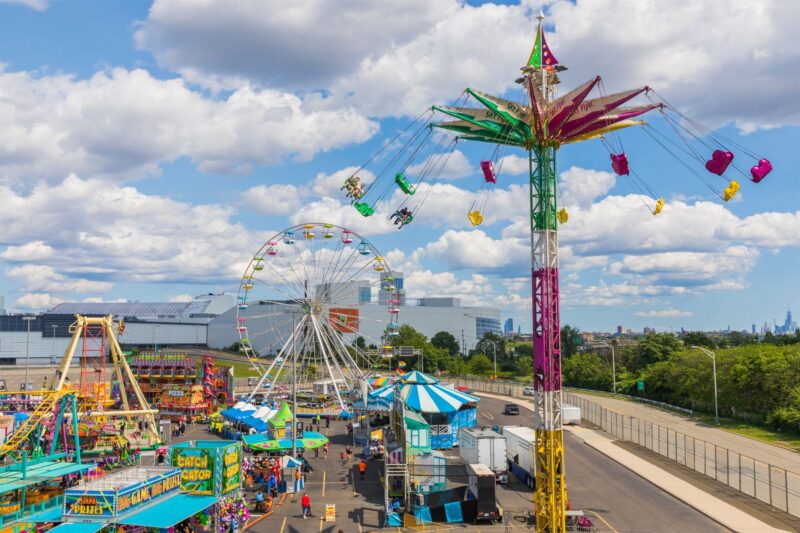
336 428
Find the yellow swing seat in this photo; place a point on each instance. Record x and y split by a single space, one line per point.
475 218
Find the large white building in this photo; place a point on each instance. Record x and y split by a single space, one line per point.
267 328
44 338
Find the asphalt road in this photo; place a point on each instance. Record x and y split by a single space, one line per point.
595 483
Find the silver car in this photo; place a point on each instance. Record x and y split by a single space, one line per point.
527 391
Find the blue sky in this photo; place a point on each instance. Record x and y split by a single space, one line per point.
149 149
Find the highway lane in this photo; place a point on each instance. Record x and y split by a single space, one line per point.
627 502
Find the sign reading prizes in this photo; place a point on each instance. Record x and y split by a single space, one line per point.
89 504
330 512
197 468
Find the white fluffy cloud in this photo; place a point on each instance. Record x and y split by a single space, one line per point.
45 278
663 313
37 5
581 186
272 199
124 124
294 46
37 301
83 235
455 166
432 50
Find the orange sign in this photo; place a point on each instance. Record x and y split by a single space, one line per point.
343 320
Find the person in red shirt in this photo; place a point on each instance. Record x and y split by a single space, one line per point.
305 501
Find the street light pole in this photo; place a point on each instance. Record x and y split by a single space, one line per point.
613 365
53 359
713 357
27 351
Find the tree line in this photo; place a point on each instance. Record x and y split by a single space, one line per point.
758 379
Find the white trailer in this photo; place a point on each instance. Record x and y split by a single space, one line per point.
484 446
521 452
570 414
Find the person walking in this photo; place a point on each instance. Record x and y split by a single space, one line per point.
325 451
305 501
362 469
349 453
316 453
317 422
341 456
327 422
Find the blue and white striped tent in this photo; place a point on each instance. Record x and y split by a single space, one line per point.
385 393
417 377
422 393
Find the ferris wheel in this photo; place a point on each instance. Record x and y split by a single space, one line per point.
322 301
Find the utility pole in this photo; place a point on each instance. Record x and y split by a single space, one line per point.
463 344
28 353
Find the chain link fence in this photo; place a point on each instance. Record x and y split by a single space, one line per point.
770 484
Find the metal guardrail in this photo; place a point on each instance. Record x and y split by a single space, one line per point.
770 484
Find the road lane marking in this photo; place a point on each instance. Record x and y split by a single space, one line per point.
490 416
324 477
283 525
603 520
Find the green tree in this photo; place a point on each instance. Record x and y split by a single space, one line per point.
479 365
570 340
445 340
698 338
653 348
588 371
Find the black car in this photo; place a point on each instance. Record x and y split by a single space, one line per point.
511 409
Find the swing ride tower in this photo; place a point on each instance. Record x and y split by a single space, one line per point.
540 125
540 128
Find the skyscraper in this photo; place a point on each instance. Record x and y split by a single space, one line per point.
508 327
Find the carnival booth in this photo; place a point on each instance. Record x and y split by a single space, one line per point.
278 438
446 410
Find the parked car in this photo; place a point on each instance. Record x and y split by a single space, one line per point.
527 391
511 409
258 399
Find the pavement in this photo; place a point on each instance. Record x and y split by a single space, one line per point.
759 450
707 504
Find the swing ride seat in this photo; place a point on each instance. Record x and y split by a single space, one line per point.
659 206
760 171
475 218
619 162
364 208
488 174
562 216
404 185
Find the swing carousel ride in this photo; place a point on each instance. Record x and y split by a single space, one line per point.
408 167
305 296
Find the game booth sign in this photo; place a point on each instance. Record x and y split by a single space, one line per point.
143 497
208 467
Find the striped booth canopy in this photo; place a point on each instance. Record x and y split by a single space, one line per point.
424 394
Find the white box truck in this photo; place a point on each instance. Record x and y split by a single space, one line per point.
570 414
520 451
481 484
484 446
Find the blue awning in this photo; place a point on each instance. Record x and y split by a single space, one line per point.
79 527
255 423
170 511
